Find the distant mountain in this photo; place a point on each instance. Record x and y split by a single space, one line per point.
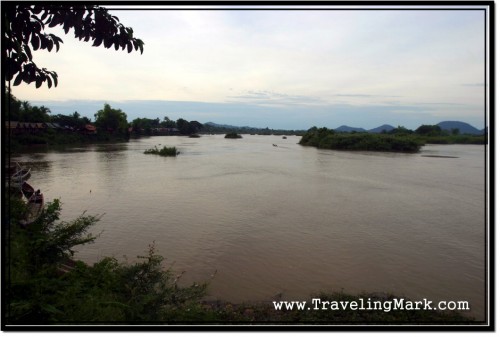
212 127
385 127
463 127
345 128
226 126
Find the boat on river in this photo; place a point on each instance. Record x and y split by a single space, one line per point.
35 208
27 190
21 175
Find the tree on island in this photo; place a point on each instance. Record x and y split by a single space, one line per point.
428 130
24 27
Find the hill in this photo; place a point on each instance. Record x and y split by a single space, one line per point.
463 127
385 127
345 128
212 127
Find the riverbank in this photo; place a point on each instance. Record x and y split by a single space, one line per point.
43 290
50 138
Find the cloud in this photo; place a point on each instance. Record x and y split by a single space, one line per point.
365 95
282 68
271 98
440 103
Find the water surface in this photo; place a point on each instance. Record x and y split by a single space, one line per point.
283 219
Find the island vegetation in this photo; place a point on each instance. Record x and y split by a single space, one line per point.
233 135
324 138
164 152
397 140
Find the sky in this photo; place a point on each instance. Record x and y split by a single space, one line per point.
282 69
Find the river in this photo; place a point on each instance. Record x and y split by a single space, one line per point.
283 219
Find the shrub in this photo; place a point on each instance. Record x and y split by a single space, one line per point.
40 289
233 135
165 151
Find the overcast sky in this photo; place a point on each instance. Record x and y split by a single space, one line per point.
289 69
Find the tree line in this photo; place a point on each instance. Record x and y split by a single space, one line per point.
107 120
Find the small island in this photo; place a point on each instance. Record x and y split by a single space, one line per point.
233 135
164 152
324 138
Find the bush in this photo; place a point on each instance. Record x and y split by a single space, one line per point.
42 289
233 135
165 151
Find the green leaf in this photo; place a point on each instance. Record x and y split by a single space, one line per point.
18 79
53 22
108 43
35 42
56 40
97 42
50 44
43 41
28 52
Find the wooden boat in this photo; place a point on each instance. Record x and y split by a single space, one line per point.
35 208
27 190
20 175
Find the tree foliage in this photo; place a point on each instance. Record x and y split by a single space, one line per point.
428 130
42 289
188 128
111 119
24 32
23 111
324 138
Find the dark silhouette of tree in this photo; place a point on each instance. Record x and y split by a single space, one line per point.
24 26
112 120
400 130
188 128
168 123
23 111
429 130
